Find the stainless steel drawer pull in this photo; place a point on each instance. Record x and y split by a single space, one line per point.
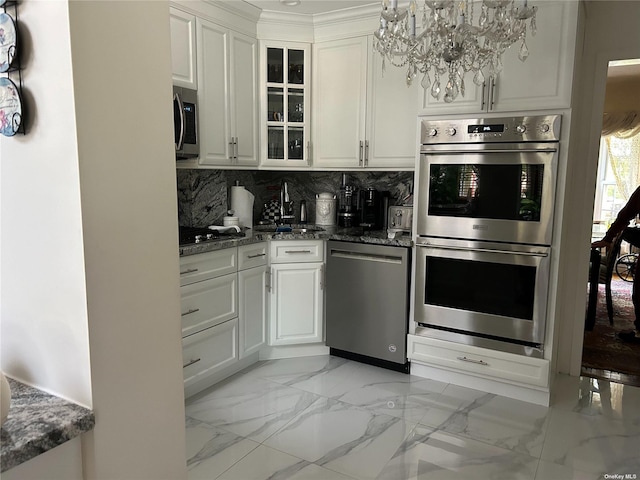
479 362
188 270
257 255
191 362
297 251
190 311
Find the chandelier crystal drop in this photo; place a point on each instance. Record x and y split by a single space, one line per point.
451 42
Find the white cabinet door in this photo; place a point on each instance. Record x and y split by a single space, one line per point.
228 81
244 98
543 81
208 303
339 102
208 352
183 48
362 118
213 93
252 310
392 114
296 303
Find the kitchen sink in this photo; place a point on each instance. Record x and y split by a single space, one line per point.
287 229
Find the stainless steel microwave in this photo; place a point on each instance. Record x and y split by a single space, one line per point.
185 123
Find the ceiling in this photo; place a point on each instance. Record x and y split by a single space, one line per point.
309 7
622 69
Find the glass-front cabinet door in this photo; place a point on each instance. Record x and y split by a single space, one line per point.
285 100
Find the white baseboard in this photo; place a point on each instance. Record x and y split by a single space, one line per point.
292 351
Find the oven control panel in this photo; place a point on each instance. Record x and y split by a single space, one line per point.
535 128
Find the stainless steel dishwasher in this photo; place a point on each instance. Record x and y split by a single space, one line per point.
367 303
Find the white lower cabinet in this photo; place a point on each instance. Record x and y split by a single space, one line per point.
208 352
252 309
479 362
296 297
223 303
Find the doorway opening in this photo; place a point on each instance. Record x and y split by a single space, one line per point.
604 355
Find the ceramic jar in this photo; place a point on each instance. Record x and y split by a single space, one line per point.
325 209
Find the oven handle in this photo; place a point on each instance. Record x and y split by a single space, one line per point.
486 250
492 150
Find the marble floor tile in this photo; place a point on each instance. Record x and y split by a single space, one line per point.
428 454
592 444
553 471
489 418
595 397
211 450
250 407
326 418
343 438
388 392
315 374
266 463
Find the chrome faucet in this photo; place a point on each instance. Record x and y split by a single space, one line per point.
286 204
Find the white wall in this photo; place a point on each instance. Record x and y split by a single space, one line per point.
43 299
90 291
611 33
123 90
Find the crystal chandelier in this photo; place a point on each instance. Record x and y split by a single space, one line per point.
449 42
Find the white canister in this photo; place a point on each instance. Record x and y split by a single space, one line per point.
325 209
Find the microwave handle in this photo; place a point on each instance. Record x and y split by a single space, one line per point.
176 98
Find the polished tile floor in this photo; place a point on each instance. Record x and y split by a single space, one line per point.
327 418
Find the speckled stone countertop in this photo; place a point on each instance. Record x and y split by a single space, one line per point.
356 234
37 422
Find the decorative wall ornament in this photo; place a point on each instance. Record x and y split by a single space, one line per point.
449 42
11 106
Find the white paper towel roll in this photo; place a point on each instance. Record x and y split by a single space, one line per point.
242 205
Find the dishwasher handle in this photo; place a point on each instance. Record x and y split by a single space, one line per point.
371 257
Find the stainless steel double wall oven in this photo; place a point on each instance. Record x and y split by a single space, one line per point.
484 228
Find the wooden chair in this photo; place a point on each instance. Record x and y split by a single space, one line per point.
607 267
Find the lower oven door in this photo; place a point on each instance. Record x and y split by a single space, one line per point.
488 290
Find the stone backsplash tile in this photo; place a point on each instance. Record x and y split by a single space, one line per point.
203 195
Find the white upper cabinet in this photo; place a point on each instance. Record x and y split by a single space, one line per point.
543 81
183 48
227 96
362 118
285 96
339 102
393 109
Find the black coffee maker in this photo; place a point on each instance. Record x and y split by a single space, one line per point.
371 209
348 214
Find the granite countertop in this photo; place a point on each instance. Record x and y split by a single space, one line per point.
37 422
356 234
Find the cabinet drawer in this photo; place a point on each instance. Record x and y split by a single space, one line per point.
208 303
501 366
195 268
209 351
250 256
296 251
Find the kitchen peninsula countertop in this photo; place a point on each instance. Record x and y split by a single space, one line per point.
355 234
38 422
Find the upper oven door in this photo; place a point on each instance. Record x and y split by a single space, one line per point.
491 192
